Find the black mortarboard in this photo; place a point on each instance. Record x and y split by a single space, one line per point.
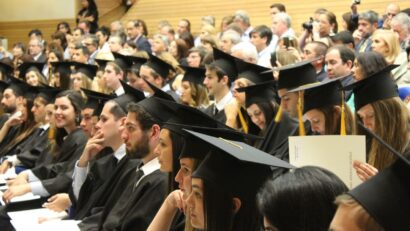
130 95
376 87
257 93
252 72
102 63
136 63
157 108
3 85
96 100
159 93
24 89
385 196
64 67
226 62
28 66
161 67
8 68
235 166
321 94
87 69
193 74
122 61
296 74
48 93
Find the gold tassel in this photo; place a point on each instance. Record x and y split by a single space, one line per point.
242 120
342 117
278 116
51 133
300 116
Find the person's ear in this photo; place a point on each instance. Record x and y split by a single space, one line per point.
155 130
236 202
225 80
349 64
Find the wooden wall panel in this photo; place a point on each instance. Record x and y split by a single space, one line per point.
152 11
18 31
105 6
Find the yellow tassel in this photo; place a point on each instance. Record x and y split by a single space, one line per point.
51 133
342 117
242 120
300 116
278 116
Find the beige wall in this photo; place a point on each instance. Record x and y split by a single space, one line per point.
29 10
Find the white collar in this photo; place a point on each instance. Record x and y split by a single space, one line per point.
120 152
150 167
264 51
166 88
119 91
224 101
37 56
45 126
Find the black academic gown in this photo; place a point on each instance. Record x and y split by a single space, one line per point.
57 176
29 152
131 209
99 184
219 116
3 119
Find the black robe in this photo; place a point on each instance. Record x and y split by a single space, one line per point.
131 209
57 176
101 181
220 115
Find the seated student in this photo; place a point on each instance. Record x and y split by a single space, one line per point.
193 91
49 179
31 73
28 153
83 76
224 186
325 109
61 72
381 111
145 188
302 199
18 129
381 203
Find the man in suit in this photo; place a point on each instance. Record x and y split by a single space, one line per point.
35 49
134 34
368 22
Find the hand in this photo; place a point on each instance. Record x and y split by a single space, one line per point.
21 178
93 146
4 167
13 121
357 35
364 171
14 191
176 200
58 202
231 109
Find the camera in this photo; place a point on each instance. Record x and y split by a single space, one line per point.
308 25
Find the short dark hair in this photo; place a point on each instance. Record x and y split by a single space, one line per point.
188 27
343 36
264 32
279 6
80 29
219 72
346 54
320 48
144 118
36 32
116 110
370 16
104 30
309 191
83 48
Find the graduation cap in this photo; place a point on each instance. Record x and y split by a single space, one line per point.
376 87
102 58
3 85
130 95
96 100
157 108
159 93
48 93
296 74
159 66
386 196
87 69
23 88
29 66
6 66
235 166
254 73
261 92
226 62
122 61
62 67
193 74
136 63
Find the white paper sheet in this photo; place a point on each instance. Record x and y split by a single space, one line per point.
26 197
335 153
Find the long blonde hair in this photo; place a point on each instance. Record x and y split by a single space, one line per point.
392 124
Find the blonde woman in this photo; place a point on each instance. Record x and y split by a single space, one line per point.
387 44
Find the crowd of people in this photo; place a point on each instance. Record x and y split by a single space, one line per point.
122 129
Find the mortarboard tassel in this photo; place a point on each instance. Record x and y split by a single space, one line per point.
300 116
278 116
342 117
242 120
51 133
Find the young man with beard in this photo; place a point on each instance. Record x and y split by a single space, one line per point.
12 95
146 187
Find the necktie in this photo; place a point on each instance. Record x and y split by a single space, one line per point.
138 177
114 162
215 110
